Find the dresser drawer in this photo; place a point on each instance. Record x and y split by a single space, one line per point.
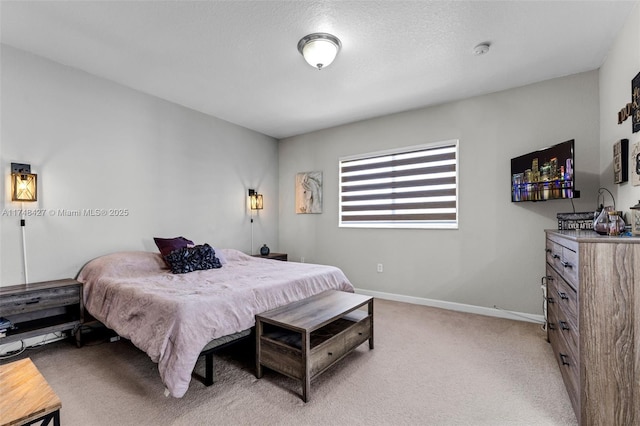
553 254
563 296
569 264
567 360
38 300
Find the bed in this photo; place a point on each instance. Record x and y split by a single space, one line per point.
174 317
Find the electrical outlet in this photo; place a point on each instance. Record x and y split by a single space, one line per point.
380 267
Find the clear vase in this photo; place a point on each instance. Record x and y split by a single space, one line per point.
601 223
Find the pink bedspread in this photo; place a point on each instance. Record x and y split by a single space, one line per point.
172 317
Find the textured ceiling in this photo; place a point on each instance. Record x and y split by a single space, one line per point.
237 60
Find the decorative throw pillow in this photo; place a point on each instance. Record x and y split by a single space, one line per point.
189 259
220 256
167 245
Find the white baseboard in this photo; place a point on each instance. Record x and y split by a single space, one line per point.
453 306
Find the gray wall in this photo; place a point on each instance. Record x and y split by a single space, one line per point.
622 64
98 145
496 257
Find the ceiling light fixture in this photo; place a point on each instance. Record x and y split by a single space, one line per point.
481 49
319 49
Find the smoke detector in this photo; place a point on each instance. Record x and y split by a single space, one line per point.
481 49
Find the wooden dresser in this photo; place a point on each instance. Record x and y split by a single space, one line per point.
593 299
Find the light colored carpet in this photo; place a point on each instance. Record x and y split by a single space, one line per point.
429 367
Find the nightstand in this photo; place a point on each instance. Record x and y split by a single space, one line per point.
273 256
41 308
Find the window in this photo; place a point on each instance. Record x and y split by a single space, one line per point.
413 187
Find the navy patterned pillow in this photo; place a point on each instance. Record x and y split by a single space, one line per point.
189 259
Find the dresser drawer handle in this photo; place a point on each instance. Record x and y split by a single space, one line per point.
555 256
551 325
563 295
548 250
330 353
360 333
564 359
32 301
566 264
564 325
551 300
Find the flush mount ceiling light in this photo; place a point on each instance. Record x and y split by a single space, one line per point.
481 49
319 49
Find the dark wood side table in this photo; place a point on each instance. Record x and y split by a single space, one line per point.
27 398
40 308
304 338
273 256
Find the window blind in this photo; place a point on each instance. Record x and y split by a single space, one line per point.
413 187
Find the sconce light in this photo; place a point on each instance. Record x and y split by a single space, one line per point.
24 184
256 200
319 49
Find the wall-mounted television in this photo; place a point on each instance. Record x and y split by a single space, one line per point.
545 174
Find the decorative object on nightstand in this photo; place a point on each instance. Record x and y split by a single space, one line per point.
264 250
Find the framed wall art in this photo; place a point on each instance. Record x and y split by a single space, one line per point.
621 161
309 192
635 164
635 103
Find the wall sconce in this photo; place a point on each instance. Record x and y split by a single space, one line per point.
24 184
256 200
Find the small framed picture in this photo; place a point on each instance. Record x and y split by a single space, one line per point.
635 164
635 103
621 161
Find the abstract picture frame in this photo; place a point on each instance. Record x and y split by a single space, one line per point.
309 192
635 164
621 161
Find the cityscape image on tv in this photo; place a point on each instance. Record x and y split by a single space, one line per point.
542 175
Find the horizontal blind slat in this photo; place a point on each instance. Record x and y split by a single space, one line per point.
401 195
402 217
405 206
399 173
408 184
405 162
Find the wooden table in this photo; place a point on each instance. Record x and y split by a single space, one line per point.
273 256
25 396
304 338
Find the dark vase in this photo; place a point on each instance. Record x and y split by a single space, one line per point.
264 250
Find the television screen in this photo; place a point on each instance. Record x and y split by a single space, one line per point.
546 174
